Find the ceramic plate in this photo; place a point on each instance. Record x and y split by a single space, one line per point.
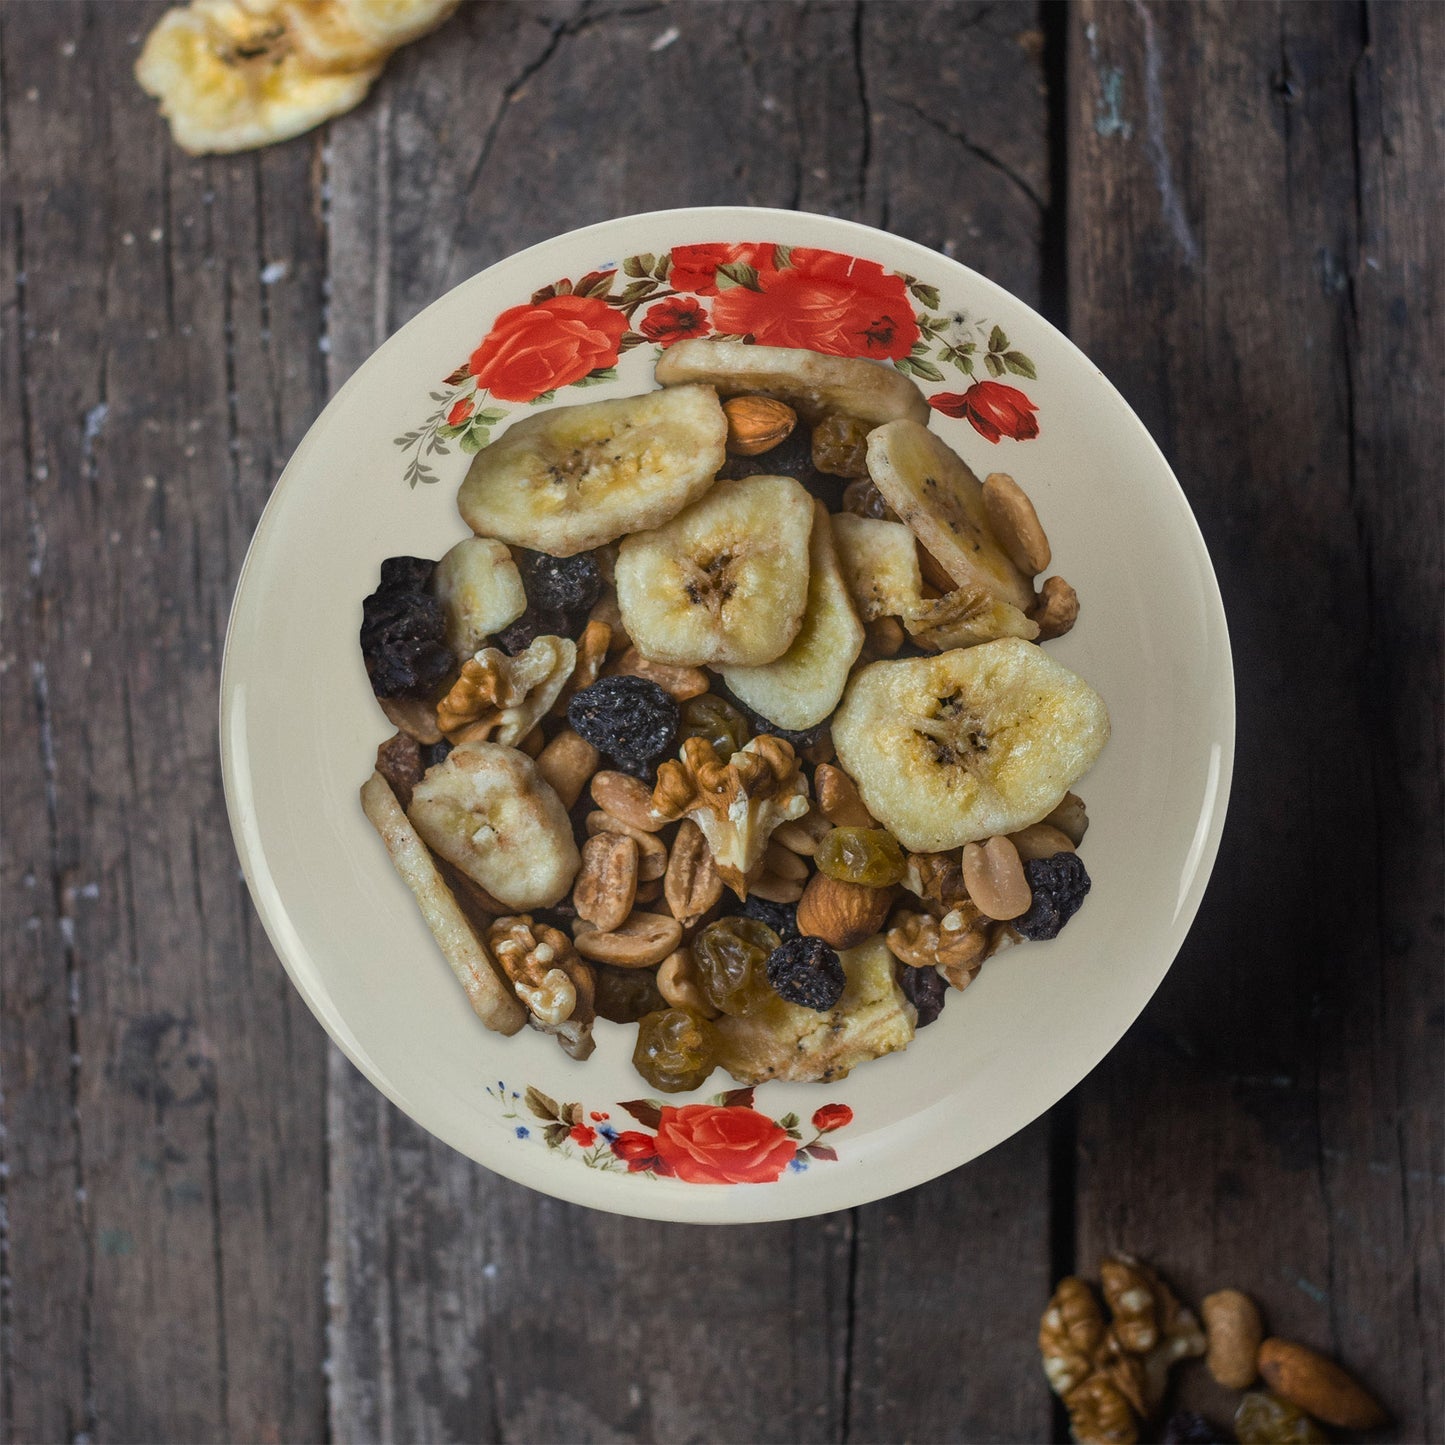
584 317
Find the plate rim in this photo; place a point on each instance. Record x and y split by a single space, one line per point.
736 1204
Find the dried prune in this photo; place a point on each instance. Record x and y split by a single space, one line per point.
626 995
806 971
406 574
925 989
717 720
861 855
1058 885
676 1050
561 584
732 961
630 719
782 918
792 457
401 643
535 622
1187 1428
400 761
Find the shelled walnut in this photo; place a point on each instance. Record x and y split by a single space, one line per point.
555 986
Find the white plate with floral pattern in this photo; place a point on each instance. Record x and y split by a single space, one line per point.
584 317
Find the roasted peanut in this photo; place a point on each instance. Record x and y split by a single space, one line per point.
1040 840
994 877
1015 524
566 763
678 983
884 636
1057 608
692 883
1070 817
606 885
838 798
681 682
803 834
1319 1386
776 890
643 940
651 850
783 863
627 799
1234 1331
416 718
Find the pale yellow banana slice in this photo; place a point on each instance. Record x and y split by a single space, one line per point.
490 998
480 589
978 741
229 78
803 686
935 493
352 34
570 478
487 810
880 565
815 386
723 583
786 1041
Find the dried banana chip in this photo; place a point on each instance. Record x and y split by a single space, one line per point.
353 34
229 77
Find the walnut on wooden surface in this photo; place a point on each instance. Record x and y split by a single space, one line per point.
1070 1333
737 803
1100 1415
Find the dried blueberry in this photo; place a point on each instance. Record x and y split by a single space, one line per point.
925 989
806 971
535 622
1187 1428
564 584
401 644
630 719
434 753
759 725
406 574
782 918
1058 885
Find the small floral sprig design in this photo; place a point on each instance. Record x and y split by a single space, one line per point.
573 334
724 1141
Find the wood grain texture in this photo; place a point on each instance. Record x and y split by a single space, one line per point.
1245 268
165 1189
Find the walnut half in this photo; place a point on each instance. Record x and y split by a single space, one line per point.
554 985
737 803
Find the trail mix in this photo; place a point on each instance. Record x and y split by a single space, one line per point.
731 722
1113 1373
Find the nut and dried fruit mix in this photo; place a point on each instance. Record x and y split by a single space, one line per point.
731 722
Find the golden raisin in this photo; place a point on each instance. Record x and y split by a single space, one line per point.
870 856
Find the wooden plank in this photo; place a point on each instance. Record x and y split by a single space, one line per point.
448 1330
958 159
1242 265
165 1189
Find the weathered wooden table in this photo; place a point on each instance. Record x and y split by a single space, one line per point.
212 1227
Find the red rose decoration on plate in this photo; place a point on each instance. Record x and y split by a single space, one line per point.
538 347
675 320
709 1144
461 411
824 301
832 1116
639 1152
694 268
992 409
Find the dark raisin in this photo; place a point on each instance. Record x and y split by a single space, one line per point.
806 971
782 918
759 724
630 719
563 584
1058 885
434 753
535 622
925 989
1187 1428
401 644
406 574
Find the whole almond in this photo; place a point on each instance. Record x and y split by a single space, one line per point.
842 914
1234 1330
1318 1386
757 424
